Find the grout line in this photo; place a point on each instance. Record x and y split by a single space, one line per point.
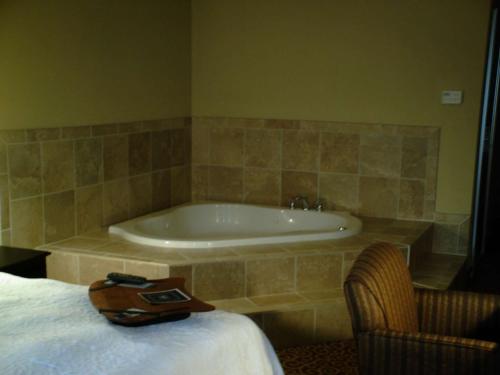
9 199
315 324
295 272
42 181
100 178
245 278
73 143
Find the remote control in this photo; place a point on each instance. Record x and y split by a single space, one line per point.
124 278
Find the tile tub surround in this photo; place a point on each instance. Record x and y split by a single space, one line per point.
451 234
56 183
371 170
279 286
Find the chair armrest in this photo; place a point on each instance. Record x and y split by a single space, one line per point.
460 314
391 352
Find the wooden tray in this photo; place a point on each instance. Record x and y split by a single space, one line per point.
115 303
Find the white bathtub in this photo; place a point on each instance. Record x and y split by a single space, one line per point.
207 225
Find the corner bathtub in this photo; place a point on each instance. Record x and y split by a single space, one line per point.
208 225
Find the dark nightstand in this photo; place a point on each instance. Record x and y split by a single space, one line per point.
23 262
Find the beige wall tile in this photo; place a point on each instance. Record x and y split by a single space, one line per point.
319 272
13 136
225 184
6 238
147 269
3 158
172 123
115 201
340 191
140 252
380 155
80 243
445 238
161 190
27 222
88 161
433 143
186 272
339 152
378 196
463 237
208 254
275 300
188 150
298 183
258 250
181 185
59 215
263 148
139 153
219 280
163 124
349 258
58 166
270 276
333 322
430 189
262 186
289 328
323 296
415 153
245 123
200 144
199 182
179 139
301 150
4 202
24 170
76 132
429 210
115 157
236 305
104 129
161 149
140 195
95 268
411 199
431 178
47 134
63 267
281 124
226 146
88 208
130 127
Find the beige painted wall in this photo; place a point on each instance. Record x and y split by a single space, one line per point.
382 61
66 63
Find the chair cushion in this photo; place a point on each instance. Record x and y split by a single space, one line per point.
379 291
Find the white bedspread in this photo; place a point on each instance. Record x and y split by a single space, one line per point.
49 327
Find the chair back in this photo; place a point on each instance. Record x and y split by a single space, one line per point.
379 291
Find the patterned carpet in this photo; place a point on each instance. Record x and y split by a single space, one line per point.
332 358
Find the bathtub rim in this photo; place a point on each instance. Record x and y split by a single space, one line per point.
126 231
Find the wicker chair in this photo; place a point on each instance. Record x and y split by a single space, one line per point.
402 330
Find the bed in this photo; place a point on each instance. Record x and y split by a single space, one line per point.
50 327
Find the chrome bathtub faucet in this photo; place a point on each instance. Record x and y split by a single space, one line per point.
301 200
319 205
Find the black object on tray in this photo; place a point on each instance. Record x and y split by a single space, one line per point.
125 301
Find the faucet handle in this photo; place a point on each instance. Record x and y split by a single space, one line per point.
298 199
292 202
319 204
